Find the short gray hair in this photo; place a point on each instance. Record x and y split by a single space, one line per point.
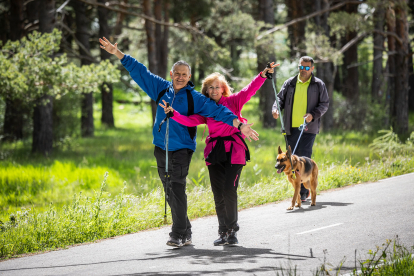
306 59
181 62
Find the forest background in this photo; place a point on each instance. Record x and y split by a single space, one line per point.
70 112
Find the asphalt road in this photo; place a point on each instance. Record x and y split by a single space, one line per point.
344 221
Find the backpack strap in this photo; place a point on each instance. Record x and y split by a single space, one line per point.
191 130
160 95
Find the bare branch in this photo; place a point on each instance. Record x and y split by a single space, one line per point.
62 6
352 42
73 54
364 62
227 72
345 47
175 25
389 33
300 19
122 4
91 58
132 28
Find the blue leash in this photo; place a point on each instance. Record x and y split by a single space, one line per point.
301 128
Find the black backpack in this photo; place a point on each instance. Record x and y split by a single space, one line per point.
191 130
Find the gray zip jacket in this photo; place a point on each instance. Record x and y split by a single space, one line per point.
318 102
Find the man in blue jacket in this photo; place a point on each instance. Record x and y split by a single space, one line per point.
182 97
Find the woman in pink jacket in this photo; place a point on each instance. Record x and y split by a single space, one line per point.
226 152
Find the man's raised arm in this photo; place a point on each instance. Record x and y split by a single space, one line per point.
150 83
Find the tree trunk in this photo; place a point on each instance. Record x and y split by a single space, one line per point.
43 110
83 35
158 34
410 79
13 120
163 70
107 118
32 13
410 62
296 32
14 117
151 48
265 54
326 71
350 85
401 65
390 97
16 19
194 57
119 21
43 125
4 27
377 85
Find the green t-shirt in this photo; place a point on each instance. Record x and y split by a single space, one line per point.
300 102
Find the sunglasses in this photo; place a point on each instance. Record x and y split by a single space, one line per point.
307 68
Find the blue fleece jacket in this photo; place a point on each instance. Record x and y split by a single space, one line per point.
179 138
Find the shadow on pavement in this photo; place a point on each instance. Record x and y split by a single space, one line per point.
319 205
225 254
273 269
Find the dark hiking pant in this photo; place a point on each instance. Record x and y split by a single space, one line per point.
224 178
304 147
178 164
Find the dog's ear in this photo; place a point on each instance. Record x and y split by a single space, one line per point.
280 150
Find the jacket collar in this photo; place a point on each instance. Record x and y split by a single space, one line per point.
295 79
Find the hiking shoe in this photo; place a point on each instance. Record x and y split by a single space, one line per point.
232 237
222 240
304 196
187 239
176 242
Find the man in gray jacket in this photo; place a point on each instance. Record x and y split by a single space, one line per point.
302 96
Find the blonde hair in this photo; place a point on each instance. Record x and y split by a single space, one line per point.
227 90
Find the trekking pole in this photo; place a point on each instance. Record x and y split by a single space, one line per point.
167 175
269 76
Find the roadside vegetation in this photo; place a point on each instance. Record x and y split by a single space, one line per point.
108 185
390 259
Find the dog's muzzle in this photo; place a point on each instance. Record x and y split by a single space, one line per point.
280 167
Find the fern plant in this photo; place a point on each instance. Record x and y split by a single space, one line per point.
389 143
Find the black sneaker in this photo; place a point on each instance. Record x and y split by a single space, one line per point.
304 196
232 237
187 239
176 242
222 240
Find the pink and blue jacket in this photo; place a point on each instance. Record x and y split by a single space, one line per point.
235 103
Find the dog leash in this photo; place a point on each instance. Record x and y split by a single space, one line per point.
302 127
269 76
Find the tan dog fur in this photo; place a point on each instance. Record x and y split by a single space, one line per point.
306 172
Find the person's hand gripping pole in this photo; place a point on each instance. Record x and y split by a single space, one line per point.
168 113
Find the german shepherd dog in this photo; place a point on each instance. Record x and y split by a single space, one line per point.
306 172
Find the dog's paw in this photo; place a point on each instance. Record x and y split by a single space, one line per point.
290 208
313 204
297 205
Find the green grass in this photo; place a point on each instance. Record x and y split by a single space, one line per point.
127 154
58 201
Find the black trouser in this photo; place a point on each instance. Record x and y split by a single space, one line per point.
304 147
178 164
224 178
